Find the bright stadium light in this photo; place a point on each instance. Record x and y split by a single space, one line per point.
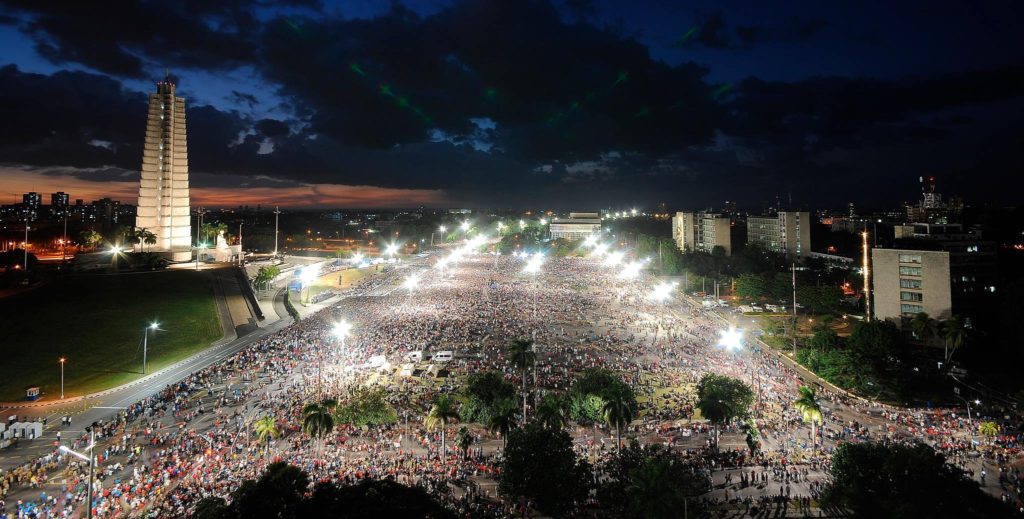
631 270
634 212
662 291
341 329
543 221
391 250
465 225
614 258
731 339
590 241
308 275
600 249
534 264
357 258
411 282
442 228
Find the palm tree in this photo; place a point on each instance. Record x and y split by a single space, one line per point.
808 405
553 412
464 439
318 418
923 326
147 237
521 353
503 418
442 413
955 333
266 428
133 236
214 229
989 429
619 409
651 492
91 238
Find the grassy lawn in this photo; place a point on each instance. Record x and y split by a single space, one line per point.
97 323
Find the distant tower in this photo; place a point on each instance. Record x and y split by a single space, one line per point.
163 187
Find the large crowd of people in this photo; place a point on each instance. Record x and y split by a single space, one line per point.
196 438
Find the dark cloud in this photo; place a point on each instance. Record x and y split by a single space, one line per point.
129 38
243 98
272 128
712 31
575 113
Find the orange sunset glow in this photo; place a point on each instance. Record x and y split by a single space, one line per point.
18 181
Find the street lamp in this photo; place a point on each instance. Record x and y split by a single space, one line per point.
391 250
115 250
306 277
731 339
92 463
614 258
62 359
631 270
199 251
145 343
662 291
464 226
411 282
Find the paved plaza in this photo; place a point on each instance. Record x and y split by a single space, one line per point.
173 445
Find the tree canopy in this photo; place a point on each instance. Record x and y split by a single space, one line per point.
903 481
540 465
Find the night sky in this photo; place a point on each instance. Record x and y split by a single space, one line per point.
565 104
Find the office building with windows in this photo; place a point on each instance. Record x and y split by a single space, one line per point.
907 282
576 227
702 232
786 232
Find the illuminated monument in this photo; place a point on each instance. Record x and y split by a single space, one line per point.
163 206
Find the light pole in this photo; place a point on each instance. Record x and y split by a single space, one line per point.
145 344
92 463
62 359
26 244
794 310
867 276
277 214
64 241
199 251
440 230
533 268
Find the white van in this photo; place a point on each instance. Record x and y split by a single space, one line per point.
416 356
443 356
